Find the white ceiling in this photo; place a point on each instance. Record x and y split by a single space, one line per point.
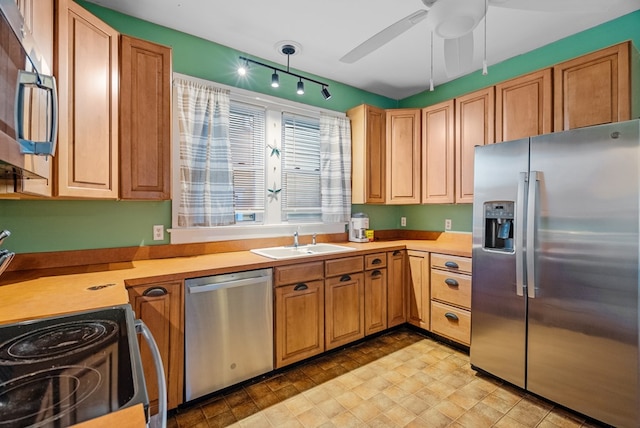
326 30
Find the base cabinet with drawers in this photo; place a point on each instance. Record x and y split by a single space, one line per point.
299 312
451 297
375 293
344 301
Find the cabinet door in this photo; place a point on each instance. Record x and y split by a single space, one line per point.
474 127
396 288
419 290
344 309
523 106
593 89
160 306
403 156
375 301
87 73
437 154
299 321
145 120
367 154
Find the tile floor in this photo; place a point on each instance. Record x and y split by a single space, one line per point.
399 379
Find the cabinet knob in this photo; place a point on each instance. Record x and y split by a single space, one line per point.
301 286
451 316
451 282
451 264
345 278
155 292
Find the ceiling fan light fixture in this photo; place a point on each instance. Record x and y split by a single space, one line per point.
454 18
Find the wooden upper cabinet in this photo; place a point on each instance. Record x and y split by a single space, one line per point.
474 127
524 106
87 73
593 89
368 154
403 156
145 120
438 154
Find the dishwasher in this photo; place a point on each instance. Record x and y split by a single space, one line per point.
228 330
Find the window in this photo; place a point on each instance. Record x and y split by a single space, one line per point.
275 150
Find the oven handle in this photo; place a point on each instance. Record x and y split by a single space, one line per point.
159 420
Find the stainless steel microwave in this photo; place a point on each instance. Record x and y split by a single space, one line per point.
28 101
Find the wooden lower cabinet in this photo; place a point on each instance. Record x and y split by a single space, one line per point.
396 288
299 321
419 298
161 308
375 293
344 309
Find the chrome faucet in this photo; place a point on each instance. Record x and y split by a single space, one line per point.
295 239
313 239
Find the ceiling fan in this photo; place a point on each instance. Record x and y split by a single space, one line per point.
454 21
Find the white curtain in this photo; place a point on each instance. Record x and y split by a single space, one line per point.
206 171
335 168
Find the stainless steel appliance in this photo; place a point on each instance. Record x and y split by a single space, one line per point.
228 330
28 106
64 370
555 268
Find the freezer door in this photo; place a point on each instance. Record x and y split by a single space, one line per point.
498 324
583 311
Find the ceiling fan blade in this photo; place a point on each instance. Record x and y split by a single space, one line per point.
458 55
585 6
384 37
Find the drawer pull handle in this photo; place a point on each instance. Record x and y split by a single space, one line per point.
451 264
376 273
451 316
155 292
345 278
396 252
301 286
451 282
376 261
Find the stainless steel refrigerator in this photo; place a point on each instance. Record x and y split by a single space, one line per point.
555 268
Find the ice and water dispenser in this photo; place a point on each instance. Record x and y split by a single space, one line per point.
498 224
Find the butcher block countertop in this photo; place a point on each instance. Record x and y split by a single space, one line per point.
39 293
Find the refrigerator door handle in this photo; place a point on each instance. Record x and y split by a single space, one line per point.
531 225
519 233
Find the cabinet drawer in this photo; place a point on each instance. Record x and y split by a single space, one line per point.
375 261
451 287
298 273
451 322
452 263
344 265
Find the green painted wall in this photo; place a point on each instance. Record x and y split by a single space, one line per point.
68 225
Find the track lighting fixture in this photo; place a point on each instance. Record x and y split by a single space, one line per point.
287 50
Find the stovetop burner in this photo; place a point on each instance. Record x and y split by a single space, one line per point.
64 388
56 341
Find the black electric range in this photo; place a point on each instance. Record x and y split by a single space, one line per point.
60 371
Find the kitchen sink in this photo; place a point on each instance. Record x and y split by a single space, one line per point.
289 252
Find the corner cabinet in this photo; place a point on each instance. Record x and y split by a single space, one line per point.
299 312
145 120
475 121
438 154
368 154
524 106
160 306
403 156
87 74
593 89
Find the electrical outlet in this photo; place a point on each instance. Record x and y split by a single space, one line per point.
447 224
158 232
403 221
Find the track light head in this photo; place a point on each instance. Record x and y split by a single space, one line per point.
275 80
300 90
325 93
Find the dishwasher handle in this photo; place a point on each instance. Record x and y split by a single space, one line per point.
159 419
193 289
